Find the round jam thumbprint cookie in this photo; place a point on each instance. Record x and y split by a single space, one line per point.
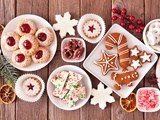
26 27
41 56
45 37
91 28
20 60
28 45
31 86
10 41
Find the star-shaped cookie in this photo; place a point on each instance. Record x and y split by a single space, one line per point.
101 96
145 57
107 62
134 52
65 24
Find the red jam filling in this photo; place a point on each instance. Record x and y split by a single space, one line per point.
19 58
39 54
27 44
11 41
91 28
42 36
25 28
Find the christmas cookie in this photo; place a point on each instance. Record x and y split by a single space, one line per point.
26 27
101 96
92 28
134 52
122 46
136 64
28 45
20 60
44 36
65 24
107 62
125 78
145 57
10 41
41 56
31 86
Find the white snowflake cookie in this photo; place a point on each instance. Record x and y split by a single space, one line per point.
65 24
101 96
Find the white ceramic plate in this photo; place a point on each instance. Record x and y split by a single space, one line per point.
85 81
40 22
64 42
95 55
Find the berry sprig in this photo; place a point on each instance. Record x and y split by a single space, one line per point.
127 20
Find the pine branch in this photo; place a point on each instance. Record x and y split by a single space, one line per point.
7 71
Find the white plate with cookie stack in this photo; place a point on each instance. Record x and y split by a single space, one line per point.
95 55
40 23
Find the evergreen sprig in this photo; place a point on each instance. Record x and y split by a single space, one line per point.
7 71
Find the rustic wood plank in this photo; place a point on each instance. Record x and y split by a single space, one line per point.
131 7
37 110
7 8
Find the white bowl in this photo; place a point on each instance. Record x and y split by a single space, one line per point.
145 37
151 109
85 82
64 42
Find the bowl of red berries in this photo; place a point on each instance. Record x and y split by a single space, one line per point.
151 35
148 99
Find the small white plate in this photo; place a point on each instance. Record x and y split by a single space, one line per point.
40 22
85 81
86 17
95 55
151 109
63 44
21 94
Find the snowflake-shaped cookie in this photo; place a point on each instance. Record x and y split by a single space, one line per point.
65 24
101 96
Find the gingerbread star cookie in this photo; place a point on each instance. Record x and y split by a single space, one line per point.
107 62
136 64
145 57
101 96
65 24
134 52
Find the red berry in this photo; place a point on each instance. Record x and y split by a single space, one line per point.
131 26
141 27
122 24
123 11
114 17
138 30
128 16
114 10
139 22
131 18
118 11
121 17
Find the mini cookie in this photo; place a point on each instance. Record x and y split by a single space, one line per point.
125 78
10 41
20 60
44 36
92 28
107 62
136 64
28 45
41 56
134 52
31 86
145 57
26 27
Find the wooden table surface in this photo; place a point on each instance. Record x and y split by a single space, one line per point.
44 109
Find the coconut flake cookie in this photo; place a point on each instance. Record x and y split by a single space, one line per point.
31 86
10 41
28 45
92 28
145 57
26 27
20 60
41 56
134 52
101 96
44 36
